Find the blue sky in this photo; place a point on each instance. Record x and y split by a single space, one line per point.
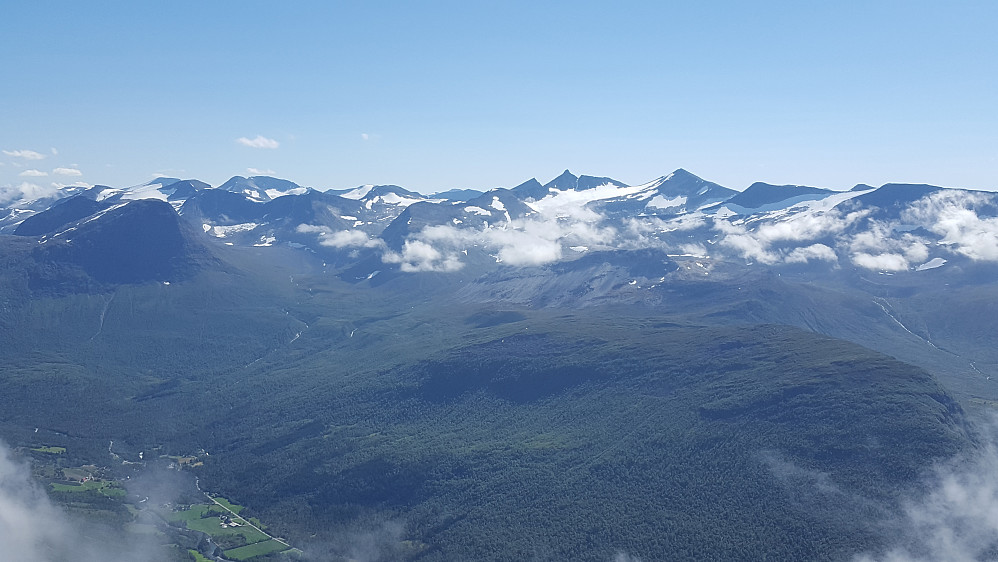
441 95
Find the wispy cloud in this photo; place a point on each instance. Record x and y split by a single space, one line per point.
67 172
58 185
258 172
26 154
33 174
956 518
259 142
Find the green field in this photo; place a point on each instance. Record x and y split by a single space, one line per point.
51 450
197 556
109 489
195 512
204 518
231 506
252 550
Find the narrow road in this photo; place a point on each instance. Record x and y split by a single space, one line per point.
197 482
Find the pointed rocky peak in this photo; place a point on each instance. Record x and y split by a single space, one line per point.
530 189
567 180
681 191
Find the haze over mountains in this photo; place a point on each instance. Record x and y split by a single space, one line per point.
578 369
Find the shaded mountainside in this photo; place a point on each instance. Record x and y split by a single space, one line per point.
571 440
483 432
137 242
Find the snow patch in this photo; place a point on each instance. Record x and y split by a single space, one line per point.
223 231
931 264
275 193
358 193
661 202
396 199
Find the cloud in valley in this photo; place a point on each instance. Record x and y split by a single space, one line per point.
532 241
33 529
779 241
953 215
340 238
259 142
954 519
881 248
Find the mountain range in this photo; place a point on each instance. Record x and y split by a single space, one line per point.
894 229
580 369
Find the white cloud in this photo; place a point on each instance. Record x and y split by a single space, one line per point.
881 262
25 192
365 136
33 529
33 174
349 239
881 248
815 252
808 226
54 151
748 245
26 154
67 172
952 214
58 185
257 172
524 248
259 142
342 238
772 242
417 255
955 519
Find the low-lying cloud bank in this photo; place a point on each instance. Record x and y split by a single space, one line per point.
941 225
954 519
33 529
